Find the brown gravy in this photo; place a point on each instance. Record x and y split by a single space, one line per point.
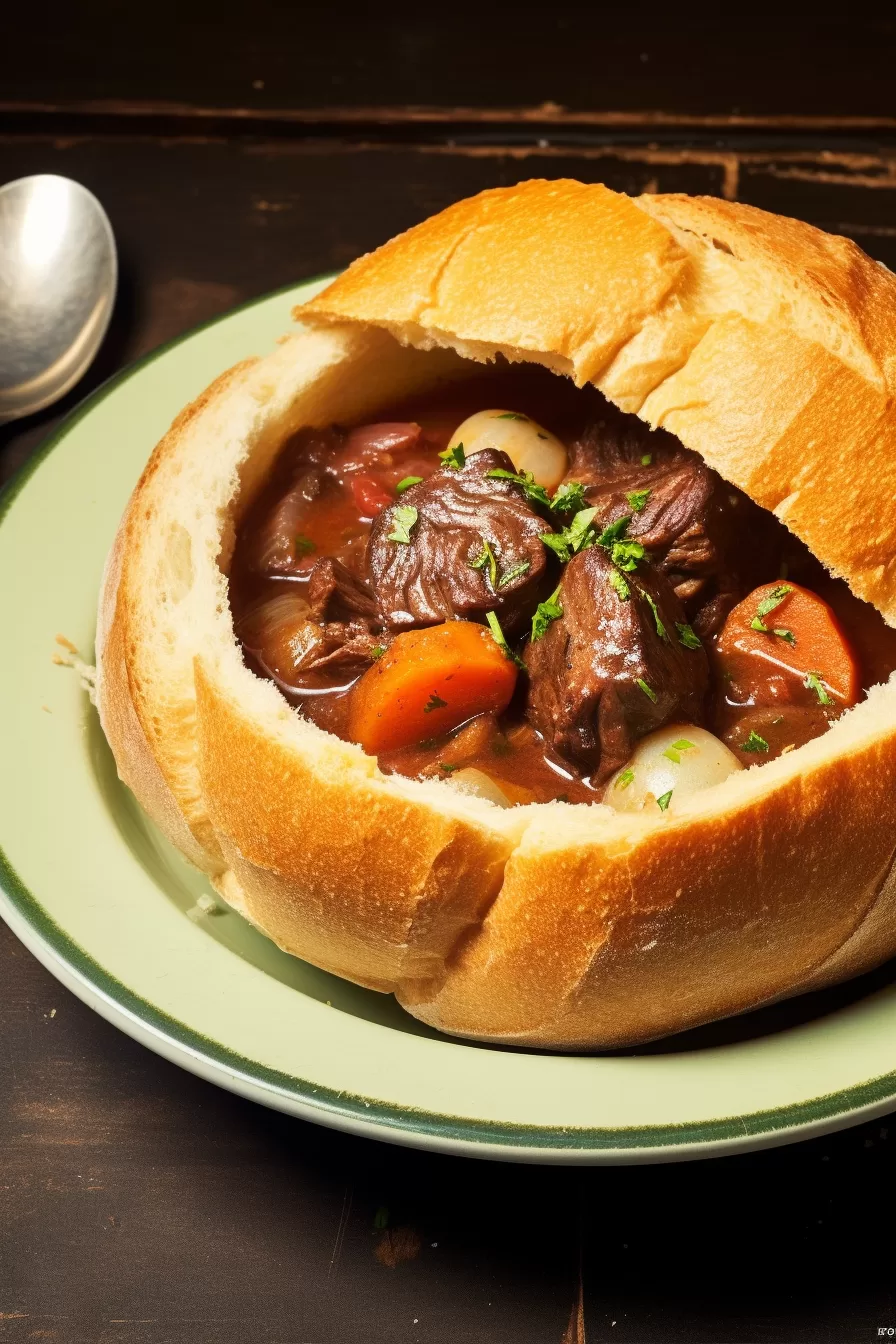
337 522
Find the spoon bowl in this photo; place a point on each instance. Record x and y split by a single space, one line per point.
58 275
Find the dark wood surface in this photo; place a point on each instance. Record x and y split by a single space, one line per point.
236 152
777 61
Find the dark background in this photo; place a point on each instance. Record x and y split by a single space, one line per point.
236 150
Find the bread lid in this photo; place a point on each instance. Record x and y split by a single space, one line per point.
764 344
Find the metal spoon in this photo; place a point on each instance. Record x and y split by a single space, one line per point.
58 273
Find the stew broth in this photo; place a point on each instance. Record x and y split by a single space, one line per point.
349 483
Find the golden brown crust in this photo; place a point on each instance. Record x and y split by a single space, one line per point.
766 346
574 271
707 916
385 892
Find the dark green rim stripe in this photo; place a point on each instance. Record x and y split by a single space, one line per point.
370 1111
456 1129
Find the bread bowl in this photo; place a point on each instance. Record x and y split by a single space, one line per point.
765 347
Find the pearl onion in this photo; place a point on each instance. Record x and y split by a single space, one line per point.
526 443
479 784
706 762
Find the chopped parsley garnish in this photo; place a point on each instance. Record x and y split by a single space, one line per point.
434 702
687 637
407 483
558 543
660 628
624 779
510 415
754 743
579 529
304 545
514 573
648 691
623 592
449 769
569 497
454 457
545 612
774 599
626 555
814 683
578 536
486 557
646 459
404 518
787 635
614 531
674 752
377 651
664 800
501 640
536 494
637 499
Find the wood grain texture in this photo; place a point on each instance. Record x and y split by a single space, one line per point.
581 56
139 1205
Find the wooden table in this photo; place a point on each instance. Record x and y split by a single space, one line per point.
139 1205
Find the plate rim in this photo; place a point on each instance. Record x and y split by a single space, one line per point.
373 1117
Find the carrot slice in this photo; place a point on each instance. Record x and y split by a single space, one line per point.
801 636
428 682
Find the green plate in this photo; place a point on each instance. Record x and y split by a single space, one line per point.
107 906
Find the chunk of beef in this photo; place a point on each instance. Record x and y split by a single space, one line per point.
585 695
374 458
357 467
334 593
706 536
269 536
608 459
344 645
432 578
377 447
302 654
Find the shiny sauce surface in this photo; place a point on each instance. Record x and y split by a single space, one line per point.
337 483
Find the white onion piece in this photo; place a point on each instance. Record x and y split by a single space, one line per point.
526 443
273 545
273 620
654 774
479 784
279 634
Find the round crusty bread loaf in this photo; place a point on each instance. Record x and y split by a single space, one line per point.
769 348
